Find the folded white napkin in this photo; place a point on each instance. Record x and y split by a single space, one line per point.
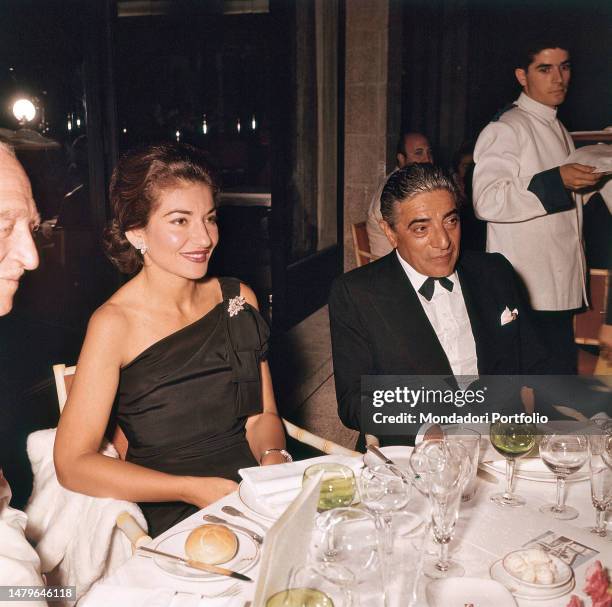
598 156
275 487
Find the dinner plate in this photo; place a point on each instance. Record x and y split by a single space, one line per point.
249 499
466 591
534 469
246 557
520 591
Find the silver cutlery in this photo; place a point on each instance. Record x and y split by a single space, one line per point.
198 564
394 467
235 512
378 453
211 518
233 590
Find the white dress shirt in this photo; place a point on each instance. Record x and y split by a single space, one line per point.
449 318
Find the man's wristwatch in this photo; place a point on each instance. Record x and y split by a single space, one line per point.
283 452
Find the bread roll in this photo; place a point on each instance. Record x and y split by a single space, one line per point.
212 544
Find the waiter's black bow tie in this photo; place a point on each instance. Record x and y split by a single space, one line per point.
427 288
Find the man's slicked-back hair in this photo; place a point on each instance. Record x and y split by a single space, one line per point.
410 181
528 49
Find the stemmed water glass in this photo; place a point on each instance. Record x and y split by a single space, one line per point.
384 490
600 475
512 441
563 454
447 472
349 537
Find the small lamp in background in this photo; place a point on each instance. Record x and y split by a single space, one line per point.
24 111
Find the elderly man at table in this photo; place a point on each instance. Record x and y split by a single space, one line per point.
19 563
425 309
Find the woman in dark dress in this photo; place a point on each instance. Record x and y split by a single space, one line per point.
179 355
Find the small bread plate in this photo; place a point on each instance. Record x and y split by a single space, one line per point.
245 558
531 592
468 591
562 571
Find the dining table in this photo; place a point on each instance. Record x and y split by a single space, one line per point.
484 534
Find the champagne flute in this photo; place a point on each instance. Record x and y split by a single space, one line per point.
512 441
600 475
448 471
563 454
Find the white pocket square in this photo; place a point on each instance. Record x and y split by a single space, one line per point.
508 315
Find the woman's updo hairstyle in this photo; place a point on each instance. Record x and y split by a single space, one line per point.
136 183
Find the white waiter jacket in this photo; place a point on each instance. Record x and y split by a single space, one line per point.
533 220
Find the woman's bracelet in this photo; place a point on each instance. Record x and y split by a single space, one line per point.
283 452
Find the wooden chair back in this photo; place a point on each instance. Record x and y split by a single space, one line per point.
63 382
361 243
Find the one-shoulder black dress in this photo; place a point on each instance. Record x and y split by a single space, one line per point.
184 401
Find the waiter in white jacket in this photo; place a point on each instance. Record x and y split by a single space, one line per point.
532 198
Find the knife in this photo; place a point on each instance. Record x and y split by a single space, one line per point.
378 453
211 518
199 565
395 468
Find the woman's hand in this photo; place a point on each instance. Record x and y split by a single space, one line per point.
202 491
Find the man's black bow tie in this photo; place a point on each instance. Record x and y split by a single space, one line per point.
427 288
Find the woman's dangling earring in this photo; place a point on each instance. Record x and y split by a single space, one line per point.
142 248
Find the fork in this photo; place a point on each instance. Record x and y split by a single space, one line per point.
233 590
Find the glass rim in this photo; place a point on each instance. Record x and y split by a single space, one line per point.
328 467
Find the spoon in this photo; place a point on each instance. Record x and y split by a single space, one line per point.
211 518
235 512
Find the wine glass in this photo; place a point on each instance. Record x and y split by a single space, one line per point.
420 464
600 475
447 473
384 490
349 537
318 585
563 454
512 441
337 485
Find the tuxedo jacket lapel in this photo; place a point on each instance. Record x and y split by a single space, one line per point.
397 302
481 311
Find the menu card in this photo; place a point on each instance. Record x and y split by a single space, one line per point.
287 542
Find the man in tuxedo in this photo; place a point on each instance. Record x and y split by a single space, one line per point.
424 309
19 563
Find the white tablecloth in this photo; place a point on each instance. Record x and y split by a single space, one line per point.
484 534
